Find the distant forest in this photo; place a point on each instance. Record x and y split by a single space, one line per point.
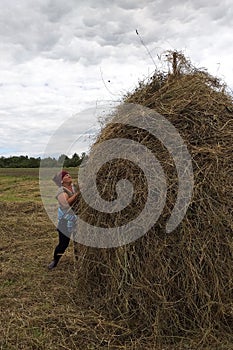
30 162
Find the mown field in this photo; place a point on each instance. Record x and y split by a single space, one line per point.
41 309
37 310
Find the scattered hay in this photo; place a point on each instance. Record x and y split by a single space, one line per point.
165 288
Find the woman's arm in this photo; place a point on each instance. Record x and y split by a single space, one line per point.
65 200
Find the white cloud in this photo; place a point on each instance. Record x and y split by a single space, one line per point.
60 57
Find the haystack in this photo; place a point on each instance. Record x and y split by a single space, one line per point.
167 287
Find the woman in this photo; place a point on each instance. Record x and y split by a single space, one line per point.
67 195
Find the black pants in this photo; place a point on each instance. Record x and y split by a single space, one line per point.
61 247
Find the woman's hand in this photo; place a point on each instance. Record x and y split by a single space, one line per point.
67 201
73 198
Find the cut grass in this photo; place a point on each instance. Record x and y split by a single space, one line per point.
22 184
33 300
19 185
40 309
18 189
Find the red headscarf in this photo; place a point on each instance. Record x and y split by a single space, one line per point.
59 177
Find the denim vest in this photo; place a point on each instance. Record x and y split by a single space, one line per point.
70 218
67 214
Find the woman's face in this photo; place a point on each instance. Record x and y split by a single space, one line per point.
67 179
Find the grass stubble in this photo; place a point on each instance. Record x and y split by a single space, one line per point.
40 309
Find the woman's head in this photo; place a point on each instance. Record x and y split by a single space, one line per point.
61 177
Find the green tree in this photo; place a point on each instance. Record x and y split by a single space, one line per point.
61 159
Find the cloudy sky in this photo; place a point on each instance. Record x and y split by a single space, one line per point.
61 57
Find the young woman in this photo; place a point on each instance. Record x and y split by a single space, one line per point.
66 195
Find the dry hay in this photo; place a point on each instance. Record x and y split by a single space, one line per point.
168 287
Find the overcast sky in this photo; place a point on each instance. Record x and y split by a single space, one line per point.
60 57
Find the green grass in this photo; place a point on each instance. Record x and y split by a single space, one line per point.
22 184
20 172
19 189
32 173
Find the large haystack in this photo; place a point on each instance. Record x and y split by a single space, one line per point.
177 286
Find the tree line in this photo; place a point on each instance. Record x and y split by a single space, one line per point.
31 162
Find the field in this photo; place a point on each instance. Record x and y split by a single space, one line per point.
40 309
37 311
